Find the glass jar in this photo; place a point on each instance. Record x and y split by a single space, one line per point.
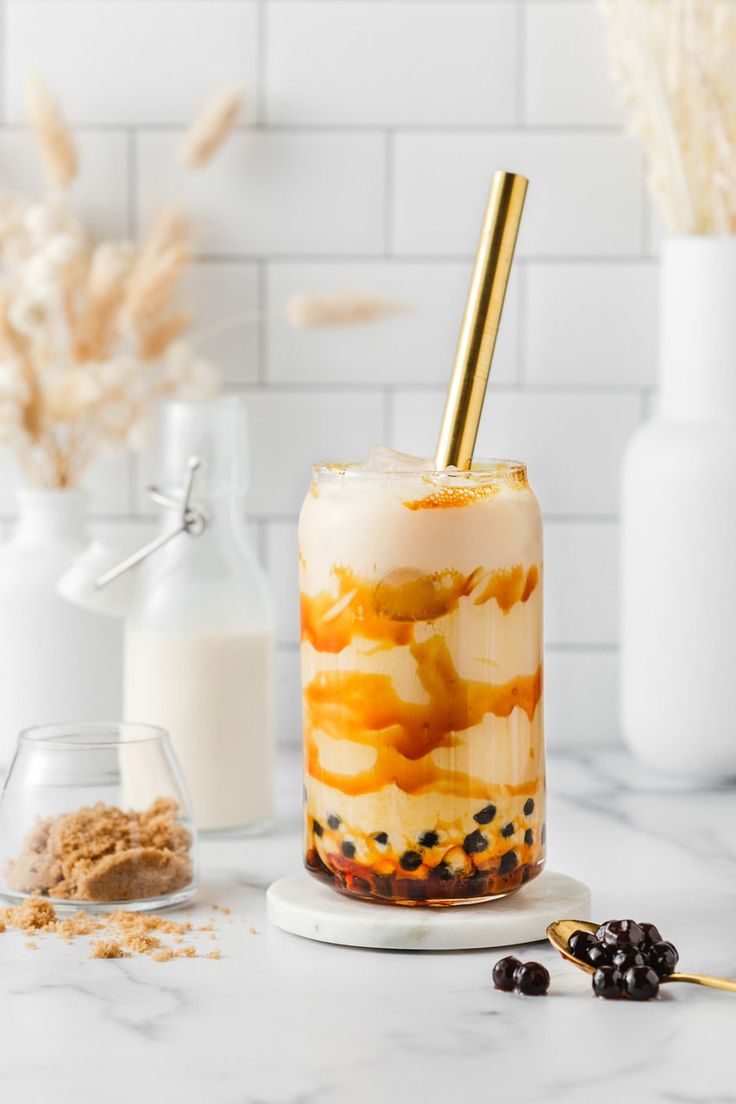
97 816
199 637
421 608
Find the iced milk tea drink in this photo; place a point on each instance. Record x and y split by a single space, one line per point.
421 606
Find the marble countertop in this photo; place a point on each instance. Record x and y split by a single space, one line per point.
281 1020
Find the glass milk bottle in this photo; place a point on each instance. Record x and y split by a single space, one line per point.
199 644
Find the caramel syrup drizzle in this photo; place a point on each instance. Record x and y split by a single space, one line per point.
365 709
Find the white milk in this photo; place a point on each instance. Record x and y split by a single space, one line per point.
213 695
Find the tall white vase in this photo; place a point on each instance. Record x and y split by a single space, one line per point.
57 662
678 633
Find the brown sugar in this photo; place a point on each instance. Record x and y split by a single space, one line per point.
33 915
81 923
127 933
107 948
101 853
164 955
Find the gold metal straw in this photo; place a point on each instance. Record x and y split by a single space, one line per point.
481 321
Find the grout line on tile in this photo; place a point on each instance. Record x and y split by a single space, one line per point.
388 417
261 106
131 148
4 46
262 322
423 258
521 36
388 195
521 343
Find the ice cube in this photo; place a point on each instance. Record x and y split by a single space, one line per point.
384 459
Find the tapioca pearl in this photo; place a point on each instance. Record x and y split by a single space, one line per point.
485 815
381 838
529 806
443 871
333 821
317 828
475 842
348 849
509 862
410 860
543 835
507 830
428 839
529 837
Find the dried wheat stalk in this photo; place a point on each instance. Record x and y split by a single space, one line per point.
210 127
54 140
313 310
90 334
675 64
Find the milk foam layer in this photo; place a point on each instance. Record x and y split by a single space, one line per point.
421 669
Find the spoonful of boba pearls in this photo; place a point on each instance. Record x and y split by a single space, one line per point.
627 960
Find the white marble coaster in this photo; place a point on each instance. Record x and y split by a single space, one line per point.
303 906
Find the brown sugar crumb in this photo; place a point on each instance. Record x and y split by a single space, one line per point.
208 927
142 944
214 954
102 853
31 945
147 922
225 910
81 923
107 948
32 915
164 955
2 927
253 931
127 933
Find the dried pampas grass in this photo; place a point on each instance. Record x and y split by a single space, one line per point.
54 140
310 311
675 64
210 127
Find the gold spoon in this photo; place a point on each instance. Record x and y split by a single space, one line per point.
559 934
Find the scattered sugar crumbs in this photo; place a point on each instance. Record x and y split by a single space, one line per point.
108 948
121 934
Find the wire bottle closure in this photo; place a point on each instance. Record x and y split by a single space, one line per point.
191 521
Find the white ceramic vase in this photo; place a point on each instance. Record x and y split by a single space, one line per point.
678 522
57 662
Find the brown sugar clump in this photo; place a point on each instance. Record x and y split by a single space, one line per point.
101 853
164 955
33 915
213 954
107 948
81 923
189 951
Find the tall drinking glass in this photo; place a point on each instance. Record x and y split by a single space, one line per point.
421 607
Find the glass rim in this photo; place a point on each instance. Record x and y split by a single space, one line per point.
106 734
481 470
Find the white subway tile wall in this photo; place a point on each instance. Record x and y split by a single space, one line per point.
361 162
